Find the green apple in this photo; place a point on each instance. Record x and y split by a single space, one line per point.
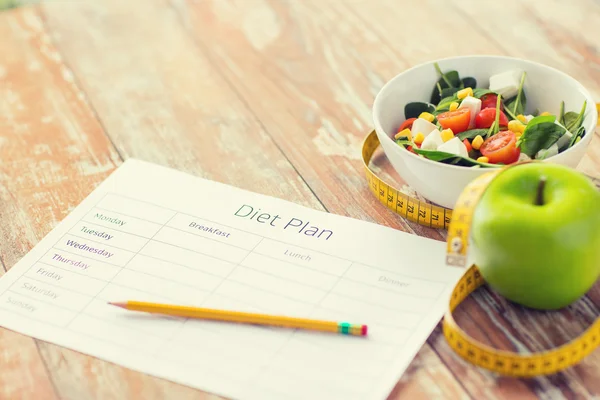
536 235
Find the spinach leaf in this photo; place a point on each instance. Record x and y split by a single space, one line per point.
517 104
569 120
469 82
449 92
579 133
403 141
447 97
540 119
495 127
444 104
497 119
475 154
449 158
449 79
561 113
436 94
541 133
414 109
480 92
509 113
472 133
573 120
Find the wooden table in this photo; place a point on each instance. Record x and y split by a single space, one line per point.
272 96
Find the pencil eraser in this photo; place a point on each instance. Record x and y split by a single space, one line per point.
364 330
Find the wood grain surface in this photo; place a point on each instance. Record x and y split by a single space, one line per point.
271 96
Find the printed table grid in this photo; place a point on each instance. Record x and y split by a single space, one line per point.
251 233
328 292
239 268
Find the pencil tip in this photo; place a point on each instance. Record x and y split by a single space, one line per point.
117 304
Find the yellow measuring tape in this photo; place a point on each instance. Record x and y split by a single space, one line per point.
408 207
458 223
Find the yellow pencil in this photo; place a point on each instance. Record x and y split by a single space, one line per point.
244 317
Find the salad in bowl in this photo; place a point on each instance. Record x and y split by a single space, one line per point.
445 122
464 124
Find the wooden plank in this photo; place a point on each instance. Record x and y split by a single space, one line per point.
175 109
427 379
53 153
161 101
24 375
78 376
35 102
546 33
315 93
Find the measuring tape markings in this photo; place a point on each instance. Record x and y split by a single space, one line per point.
458 222
505 362
408 207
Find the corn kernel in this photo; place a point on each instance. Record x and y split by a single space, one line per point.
545 113
517 134
483 159
425 115
516 126
522 118
453 106
419 137
404 132
461 94
477 142
447 134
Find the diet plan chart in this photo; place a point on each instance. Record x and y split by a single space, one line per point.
150 233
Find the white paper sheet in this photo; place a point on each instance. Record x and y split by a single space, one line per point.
155 234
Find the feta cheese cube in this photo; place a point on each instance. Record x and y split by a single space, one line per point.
547 153
565 139
529 117
432 141
474 106
524 157
506 83
423 126
454 146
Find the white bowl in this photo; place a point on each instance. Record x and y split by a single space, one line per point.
545 88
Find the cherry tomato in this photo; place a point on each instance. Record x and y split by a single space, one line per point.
468 145
409 148
407 124
487 116
457 120
489 101
501 148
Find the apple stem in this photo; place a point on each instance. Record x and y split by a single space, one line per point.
539 200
